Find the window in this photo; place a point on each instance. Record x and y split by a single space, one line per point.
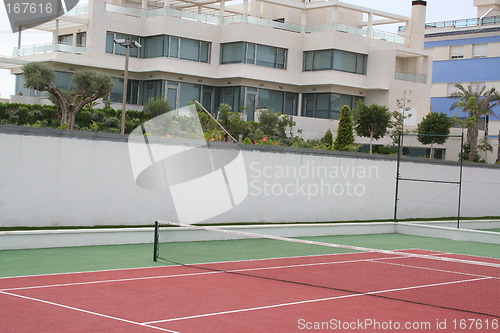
479 50
255 54
232 53
339 60
457 52
153 47
112 47
81 39
65 39
327 105
161 46
190 49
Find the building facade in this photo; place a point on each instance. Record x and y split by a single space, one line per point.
305 59
467 52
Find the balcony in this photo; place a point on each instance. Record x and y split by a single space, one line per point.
231 19
46 48
419 78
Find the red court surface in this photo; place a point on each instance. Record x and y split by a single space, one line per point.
362 292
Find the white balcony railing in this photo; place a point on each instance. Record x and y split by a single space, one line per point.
46 48
78 10
214 19
420 78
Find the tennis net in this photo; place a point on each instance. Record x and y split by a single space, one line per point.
429 278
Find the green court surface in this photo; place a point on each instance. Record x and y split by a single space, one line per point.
494 230
95 258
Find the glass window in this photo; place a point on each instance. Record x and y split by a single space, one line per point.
281 59
266 56
133 92
310 105
117 90
322 106
232 53
153 47
151 89
308 61
65 39
189 92
251 53
63 81
361 64
322 60
174 47
81 39
109 42
172 97
204 52
290 104
189 49
344 61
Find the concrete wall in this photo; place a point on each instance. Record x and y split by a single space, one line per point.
51 177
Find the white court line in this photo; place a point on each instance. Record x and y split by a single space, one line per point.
432 269
308 301
88 312
224 271
179 265
190 274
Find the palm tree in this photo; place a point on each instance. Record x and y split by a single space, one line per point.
476 102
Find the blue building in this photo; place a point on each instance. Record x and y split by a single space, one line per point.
467 52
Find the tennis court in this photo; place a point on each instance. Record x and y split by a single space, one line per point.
321 291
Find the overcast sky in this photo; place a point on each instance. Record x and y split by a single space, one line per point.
437 10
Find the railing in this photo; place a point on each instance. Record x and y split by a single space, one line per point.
79 10
420 78
463 23
213 19
46 48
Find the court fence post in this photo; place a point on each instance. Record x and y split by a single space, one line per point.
156 239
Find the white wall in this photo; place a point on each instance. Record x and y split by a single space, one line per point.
87 180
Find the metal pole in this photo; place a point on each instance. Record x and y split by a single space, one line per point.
156 239
460 181
125 82
397 179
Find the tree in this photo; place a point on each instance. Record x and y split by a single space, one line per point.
345 136
156 106
371 121
434 128
476 102
90 86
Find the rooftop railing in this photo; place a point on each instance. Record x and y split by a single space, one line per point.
213 19
462 23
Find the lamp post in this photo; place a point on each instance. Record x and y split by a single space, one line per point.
127 44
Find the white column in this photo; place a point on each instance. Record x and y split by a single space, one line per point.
166 3
56 33
222 10
144 4
299 105
370 25
245 10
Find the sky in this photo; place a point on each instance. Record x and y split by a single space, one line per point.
437 10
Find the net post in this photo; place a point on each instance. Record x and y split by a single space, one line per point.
156 240
460 181
400 134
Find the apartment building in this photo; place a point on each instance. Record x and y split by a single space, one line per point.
305 59
467 52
